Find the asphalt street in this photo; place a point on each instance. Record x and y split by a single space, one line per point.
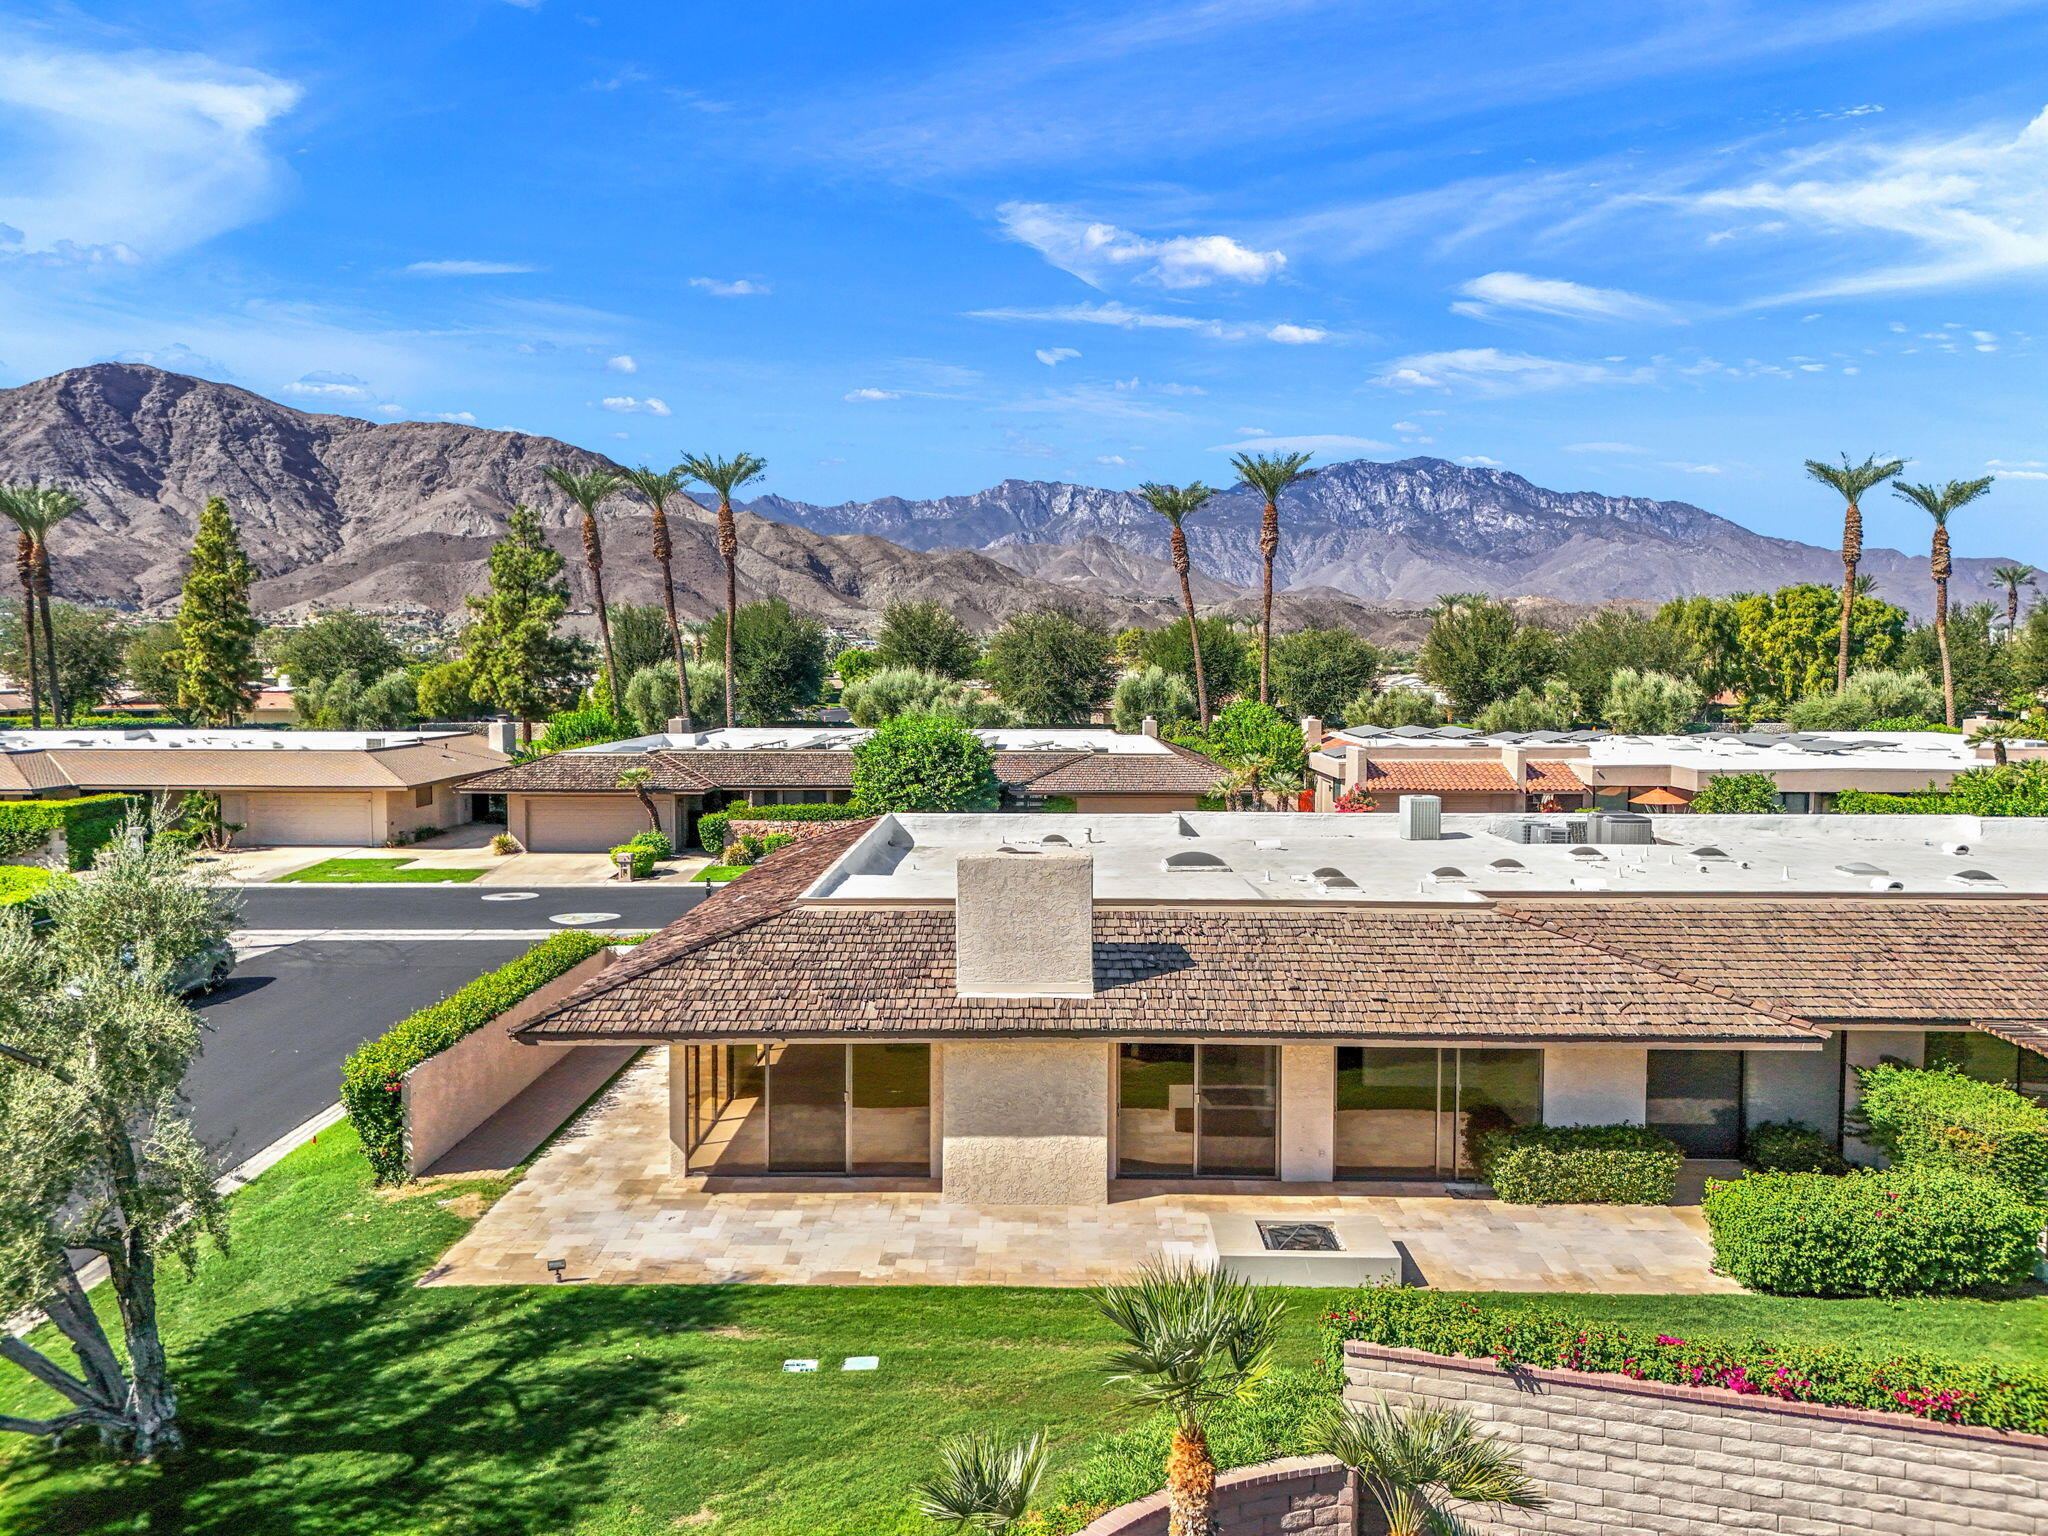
278 1029
269 908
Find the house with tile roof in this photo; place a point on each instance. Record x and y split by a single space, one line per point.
1049 1011
571 802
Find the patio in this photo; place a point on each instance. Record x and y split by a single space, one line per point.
602 1199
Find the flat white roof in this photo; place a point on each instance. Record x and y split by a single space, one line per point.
1902 751
841 738
158 738
1214 856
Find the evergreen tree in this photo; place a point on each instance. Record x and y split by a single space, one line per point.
218 676
334 643
1478 650
1318 671
517 663
1595 649
780 659
1051 666
924 637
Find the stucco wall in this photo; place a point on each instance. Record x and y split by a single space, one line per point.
1296 1494
449 1095
1131 805
1619 1456
1595 1084
1024 1122
1308 1108
1794 1085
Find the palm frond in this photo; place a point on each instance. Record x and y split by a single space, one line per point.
654 486
1849 480
1421 1462
723 475
1174 502
585 490
1193 1336
983 1483
1938 501
1271 473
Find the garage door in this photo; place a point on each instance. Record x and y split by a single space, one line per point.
317 821
582 823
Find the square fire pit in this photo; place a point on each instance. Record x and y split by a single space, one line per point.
1288 1250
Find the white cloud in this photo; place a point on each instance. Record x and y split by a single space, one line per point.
464 418
469 268
1407 426
135 154
623 363
1486 296
2012 464
1297 335
1603 448
1306 443
1052 357
735 288
1490 371
1113 460
1126 318
873 394
1696 469
322 385
626 405
1093 251
1479 461
177 358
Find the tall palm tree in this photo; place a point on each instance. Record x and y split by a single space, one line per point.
983 1483
57 504
724 476
1192 1339
1850 481
2012 578
1421 1463
586 491
1174 502
1938 501
655 488
1269 474
21 506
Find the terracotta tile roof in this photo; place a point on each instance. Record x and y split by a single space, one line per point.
1441 775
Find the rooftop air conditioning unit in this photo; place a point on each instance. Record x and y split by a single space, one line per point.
1621 827
1421 818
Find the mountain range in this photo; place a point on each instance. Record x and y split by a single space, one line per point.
400 516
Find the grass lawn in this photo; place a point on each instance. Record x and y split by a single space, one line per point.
375 872
721 871
326 1396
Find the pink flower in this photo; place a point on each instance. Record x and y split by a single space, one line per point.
1665 1338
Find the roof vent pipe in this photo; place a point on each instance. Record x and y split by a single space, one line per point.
1421 818
1024 924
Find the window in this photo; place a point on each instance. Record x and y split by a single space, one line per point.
1417 1112
1988 1059
1197 1109
423 797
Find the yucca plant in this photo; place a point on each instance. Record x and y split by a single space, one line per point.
1938 502
1424 1464
1194 1338
586 491
1850 481
725 476
983 1484
1175 502
656 487
1269 474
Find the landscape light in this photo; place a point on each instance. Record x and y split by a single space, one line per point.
555 1268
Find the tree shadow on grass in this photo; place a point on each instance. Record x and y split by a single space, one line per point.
382 1409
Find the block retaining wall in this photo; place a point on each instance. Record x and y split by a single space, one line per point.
1618 1455
1294 1496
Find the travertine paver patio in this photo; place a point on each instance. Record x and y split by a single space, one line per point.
602 1199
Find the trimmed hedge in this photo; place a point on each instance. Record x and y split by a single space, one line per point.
1866 802
23 882
372 1077
718 824
88 821
1938 1118
1925 1386
1786 1146
645 847
1580 1165
1899 1232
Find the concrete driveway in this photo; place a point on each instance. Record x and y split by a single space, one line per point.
464 847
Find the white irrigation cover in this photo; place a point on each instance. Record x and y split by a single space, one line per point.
861 1363
798 1366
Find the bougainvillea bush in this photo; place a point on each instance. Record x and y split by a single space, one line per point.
1899 1232
1925 1386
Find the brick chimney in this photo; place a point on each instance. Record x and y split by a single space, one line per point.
1024 924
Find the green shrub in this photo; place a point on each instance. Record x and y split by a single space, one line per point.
1580 1165
924 763
1786 1146
87 821
582 728
655 842
1057 805
23 882
751 848
641 856
372 1078
1738 794
1938 1118
1865 802
1928 1387
1899 1232
718 824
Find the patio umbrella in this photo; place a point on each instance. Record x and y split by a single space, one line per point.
1658 797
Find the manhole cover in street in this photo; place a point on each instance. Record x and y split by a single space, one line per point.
580 919
512 896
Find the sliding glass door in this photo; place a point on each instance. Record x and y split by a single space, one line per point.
1185 1110
819 1109
1695 1098
1417 1112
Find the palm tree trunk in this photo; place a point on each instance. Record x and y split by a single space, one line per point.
2012 611
1852 555
1269 546
593 556
664 554
729 552
1938 567
25 562
1187 601
57 712
1190 1484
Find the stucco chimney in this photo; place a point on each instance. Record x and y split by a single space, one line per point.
1311 732
1024 924
1514 757
502 735
674 725
1148 727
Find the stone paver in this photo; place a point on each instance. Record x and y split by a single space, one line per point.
603 1200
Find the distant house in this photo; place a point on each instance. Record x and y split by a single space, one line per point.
571 802
287 788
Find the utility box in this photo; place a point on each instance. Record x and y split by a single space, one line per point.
1421 818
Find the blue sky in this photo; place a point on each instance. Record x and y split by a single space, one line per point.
1654 249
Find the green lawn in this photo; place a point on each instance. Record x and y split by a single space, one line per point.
375 872
721 871
326 1396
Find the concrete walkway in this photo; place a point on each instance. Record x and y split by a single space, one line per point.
533 1114
602 1198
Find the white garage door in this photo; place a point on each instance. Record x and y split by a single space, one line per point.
582 823
312 821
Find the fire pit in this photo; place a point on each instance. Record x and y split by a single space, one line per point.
1282 1250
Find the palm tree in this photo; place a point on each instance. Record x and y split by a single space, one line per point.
637 779
1850 481
1938 501
1269 474
586 491
1193 1339
1173 503
724 476
1421 1463
983 1484
21 506
57 504
2012 578
655 488
1997 734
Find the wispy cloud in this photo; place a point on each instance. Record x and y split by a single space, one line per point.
1485 297
623 363
873 394
1052 357
338 388
467 268
1478 461
1124 317
1603 448
1308 442
1490 371
626 405
731 288
1094 251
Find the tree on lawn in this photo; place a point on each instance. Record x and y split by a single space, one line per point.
1269 474
334 643
1738 794
1050 665
1193 1339
1174 503
2012 578
1318 671
586 491
96 1154
657 487
1850 482
1941 502
725 476
924 637
218 675
924 763
517 663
